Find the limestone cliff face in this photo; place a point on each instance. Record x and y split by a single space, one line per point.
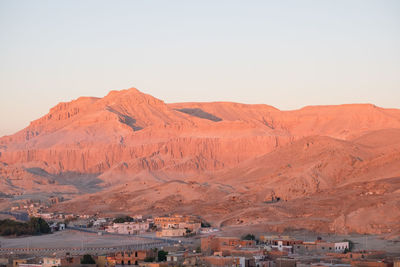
93 134
204 152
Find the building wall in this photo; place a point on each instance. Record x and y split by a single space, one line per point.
128 228
173 221
16 262
212 244
270 238
341 246
325 247
171 232
192 226
150 264
101 261
371 264
223 261
48 262
71 261
132 257
4 261
283 262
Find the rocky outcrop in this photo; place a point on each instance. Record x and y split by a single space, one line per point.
244 154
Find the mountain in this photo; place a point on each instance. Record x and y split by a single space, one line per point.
329 166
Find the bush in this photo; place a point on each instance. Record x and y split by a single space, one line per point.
87 259
162 255
205 224
149 259
123 219
249 237
38 226
35 226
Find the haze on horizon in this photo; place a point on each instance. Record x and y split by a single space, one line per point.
287 54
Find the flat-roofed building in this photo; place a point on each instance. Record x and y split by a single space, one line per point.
172 232
212 244
128 228
130 257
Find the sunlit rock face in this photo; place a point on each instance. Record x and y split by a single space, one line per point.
321 167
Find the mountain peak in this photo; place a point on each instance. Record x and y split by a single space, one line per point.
132 96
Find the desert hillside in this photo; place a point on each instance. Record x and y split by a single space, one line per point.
323 168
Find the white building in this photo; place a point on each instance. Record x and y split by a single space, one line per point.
128 228
281 247
99 222
61 226
49 262
341 246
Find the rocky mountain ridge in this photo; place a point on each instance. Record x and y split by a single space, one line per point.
225 160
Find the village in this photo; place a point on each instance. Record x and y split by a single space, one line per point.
185 240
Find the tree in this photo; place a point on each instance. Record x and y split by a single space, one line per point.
123 219
249 237
162 255
205 224
35 226
87 259
149 259
38 226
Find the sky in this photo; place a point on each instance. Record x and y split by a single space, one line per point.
287 54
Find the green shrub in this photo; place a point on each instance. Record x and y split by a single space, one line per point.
123 219
162 255
149 259
249 237
87 259
34 226
205 224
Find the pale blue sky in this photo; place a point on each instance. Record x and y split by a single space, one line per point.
283 53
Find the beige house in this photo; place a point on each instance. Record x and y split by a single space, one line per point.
48 262
128 228
171 232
